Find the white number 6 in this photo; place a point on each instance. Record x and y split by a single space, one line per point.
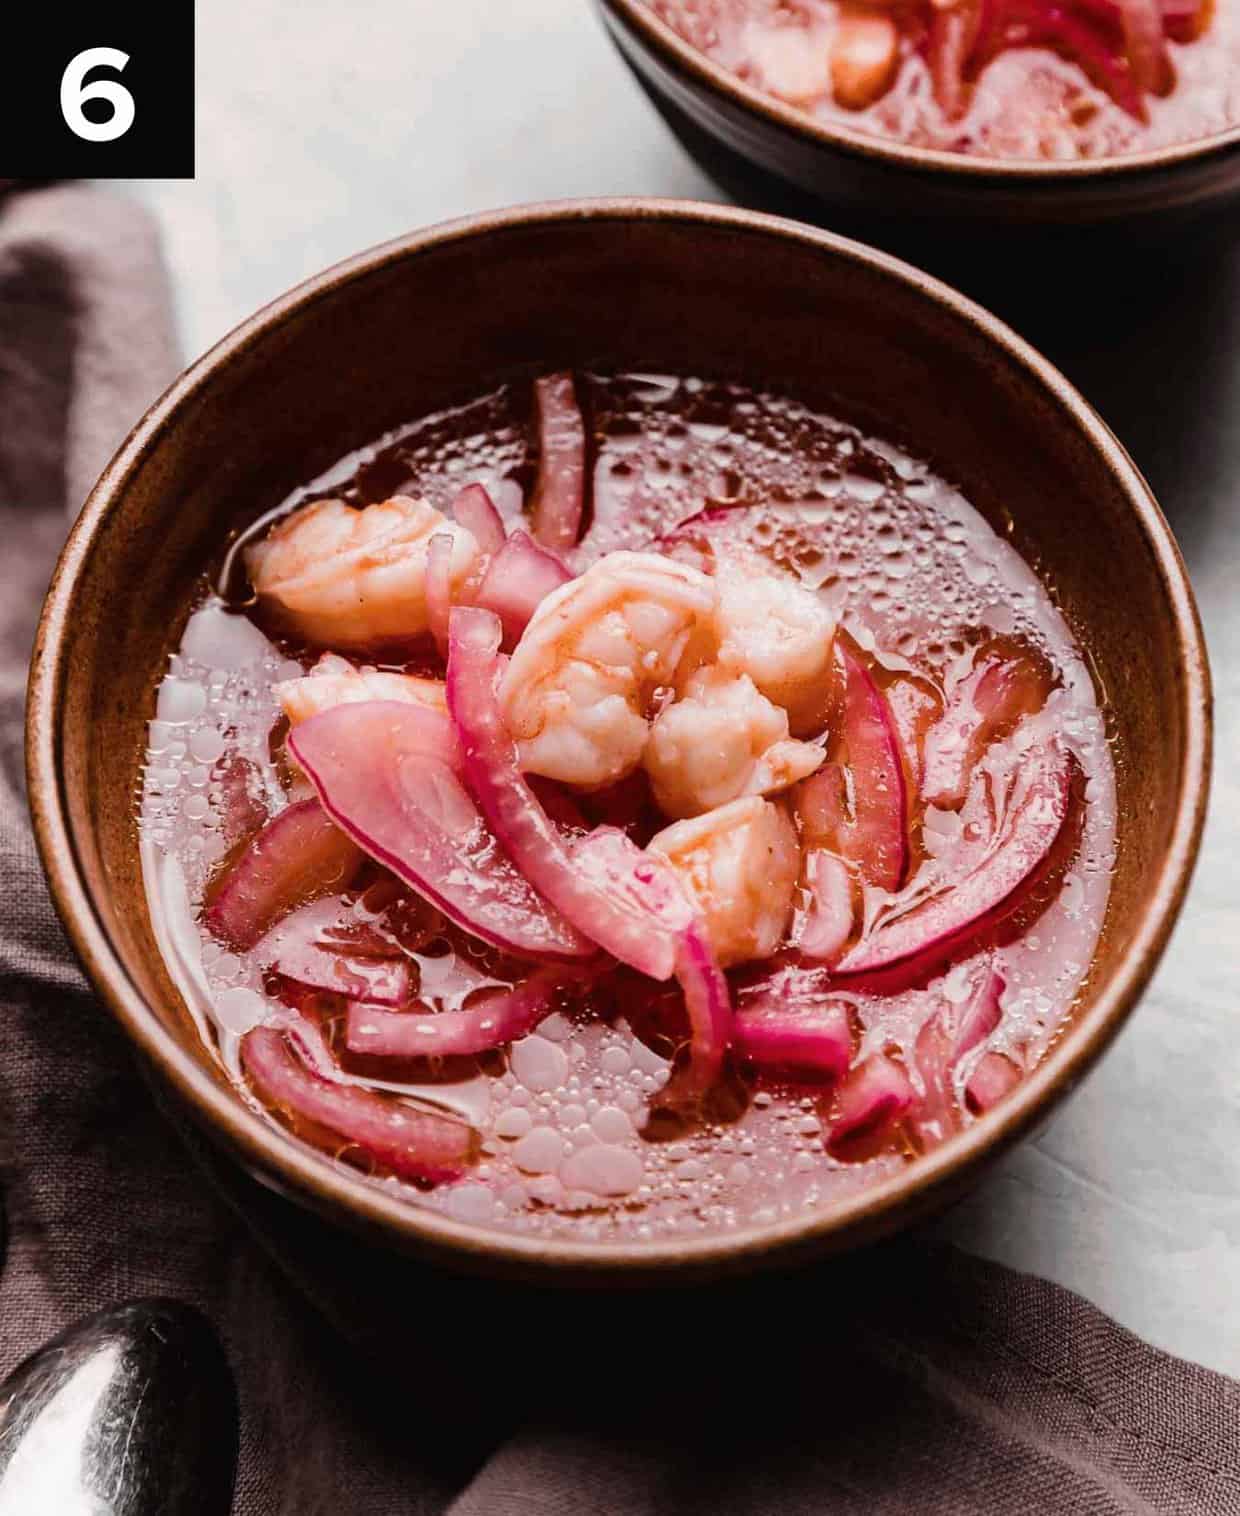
74 95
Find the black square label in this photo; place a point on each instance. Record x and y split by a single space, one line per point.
100 90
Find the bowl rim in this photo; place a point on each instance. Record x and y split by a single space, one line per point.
276 1158
683 58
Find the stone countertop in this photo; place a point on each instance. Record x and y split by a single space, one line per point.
356 123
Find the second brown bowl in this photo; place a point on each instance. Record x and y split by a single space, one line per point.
758 147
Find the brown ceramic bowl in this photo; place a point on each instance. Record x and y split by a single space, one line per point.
432 319
748 140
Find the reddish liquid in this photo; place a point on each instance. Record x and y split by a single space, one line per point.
1028 103
918 580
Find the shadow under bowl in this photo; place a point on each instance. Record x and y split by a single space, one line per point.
760 149
434 319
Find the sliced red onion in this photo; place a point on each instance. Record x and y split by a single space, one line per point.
431 729
301 948
826 925
298 856
812 1039
417 1144
914 707
880 800
380 777
242 812
983 707
1074 38
948 1035
949 918
500 1018
874 837
1148 59
950 38
994 1077
520 576
439 588
873 1098
626 900
709 1005
559 495
980 1014
475 511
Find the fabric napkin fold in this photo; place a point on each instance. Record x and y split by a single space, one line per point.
914 1379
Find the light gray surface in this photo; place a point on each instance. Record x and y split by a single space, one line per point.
325 128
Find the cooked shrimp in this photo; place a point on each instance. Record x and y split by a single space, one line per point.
578 689
790 61
780 634
740 864
720 740
334 681
865 54
348 578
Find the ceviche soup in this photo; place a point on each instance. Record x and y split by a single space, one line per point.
1029 79
627 806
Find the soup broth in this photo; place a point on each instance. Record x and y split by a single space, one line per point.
568 1130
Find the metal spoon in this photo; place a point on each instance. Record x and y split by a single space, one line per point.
130 1412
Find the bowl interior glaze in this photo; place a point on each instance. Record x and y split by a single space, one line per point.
437 318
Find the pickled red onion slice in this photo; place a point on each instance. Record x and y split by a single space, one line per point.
964 909
498 1018
814 1039
520 575
613 892
475 511
1148 59
708 1002
979 1016
985 705
240 811
860 812
826 924
947 1037
384 780
1074 38
301 948
299 855
559 495
993 1078
875 1095
417 1144
950 37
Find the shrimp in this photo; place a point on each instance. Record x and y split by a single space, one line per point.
346 578
720 740
779 633
334 681
578 690
865 54
790 61
739 863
